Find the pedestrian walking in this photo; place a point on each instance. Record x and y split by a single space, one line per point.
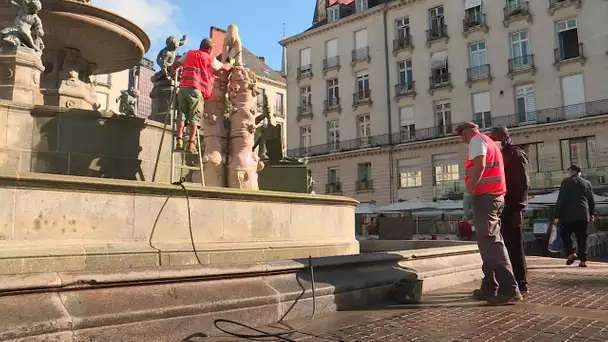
516 201
575 209
485 182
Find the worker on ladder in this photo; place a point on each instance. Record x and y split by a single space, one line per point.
195 86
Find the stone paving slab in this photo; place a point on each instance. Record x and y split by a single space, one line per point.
565 304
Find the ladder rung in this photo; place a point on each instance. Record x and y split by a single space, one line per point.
186 167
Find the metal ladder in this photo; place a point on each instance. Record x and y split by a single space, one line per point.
182 154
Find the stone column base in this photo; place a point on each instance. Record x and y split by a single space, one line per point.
161 102
20 70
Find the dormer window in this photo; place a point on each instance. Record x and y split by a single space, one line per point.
361 5
333 13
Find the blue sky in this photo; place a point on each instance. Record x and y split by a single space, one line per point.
260 21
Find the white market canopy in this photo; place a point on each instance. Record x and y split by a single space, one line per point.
414 204
552 198
366 209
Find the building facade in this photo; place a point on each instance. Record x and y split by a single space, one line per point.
140 79
378 88
108 88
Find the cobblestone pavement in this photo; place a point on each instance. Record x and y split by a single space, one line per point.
565 304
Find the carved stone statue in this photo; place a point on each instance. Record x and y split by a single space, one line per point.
27 29
128 102
166 57
233 49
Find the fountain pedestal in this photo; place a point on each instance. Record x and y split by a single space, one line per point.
20 71
161 101
244 163
214 133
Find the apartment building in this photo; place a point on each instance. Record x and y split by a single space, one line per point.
140 78
378 88
108 88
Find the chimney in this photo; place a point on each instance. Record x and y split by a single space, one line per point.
262 58
320 11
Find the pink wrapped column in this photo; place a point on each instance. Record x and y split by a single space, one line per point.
244 164
214 133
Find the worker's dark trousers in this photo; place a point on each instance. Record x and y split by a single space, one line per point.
579 228
512 233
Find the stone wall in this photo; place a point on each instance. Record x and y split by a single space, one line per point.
83 143
69 223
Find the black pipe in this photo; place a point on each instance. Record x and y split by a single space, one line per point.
391 163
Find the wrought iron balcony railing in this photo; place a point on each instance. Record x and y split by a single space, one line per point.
364 185
333 188
562 54
472 21
331 63
331 104
440 81
563 113
361 54
305 71
402 43
403 89
437 33
478 73
516 10
362 96
521 64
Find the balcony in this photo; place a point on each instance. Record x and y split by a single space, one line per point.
279 111
439 82
522 64
304 71
516 12
331 63
563 55
554 5
473 23
332 105
364 185
402 43
360 55
362 97
405 89
564 113
478 73
437 34
333 188
449 190
304 111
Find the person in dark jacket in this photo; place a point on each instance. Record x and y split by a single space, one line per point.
516 200
575 209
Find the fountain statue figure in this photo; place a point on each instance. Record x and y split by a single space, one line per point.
27 29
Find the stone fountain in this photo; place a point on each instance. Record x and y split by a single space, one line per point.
80 40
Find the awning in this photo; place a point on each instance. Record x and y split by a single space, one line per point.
439 59
471 3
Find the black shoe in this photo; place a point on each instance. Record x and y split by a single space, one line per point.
583 264
479 294
502 299
523 289
571 259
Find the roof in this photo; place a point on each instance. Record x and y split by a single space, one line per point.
250 60
341 2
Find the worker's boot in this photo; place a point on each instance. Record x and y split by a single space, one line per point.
192 146
179 144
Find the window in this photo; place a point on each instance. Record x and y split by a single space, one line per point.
102 99
520 50
407 127
332 175
567 39
535 156
410 175
279 102
331 48
361 5
103 79
573 94
579 151
525 104
439 69
436 22
333 92
305 96
260 98
362 85
305 67
333 13
306 138
443 112
364 174
446 169
405 74
403 28
479 60
361 39
482 113
333 135
364 131
473 13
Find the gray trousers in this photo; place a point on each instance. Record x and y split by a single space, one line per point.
497 270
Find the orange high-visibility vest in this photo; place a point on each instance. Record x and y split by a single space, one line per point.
492 179
197 72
